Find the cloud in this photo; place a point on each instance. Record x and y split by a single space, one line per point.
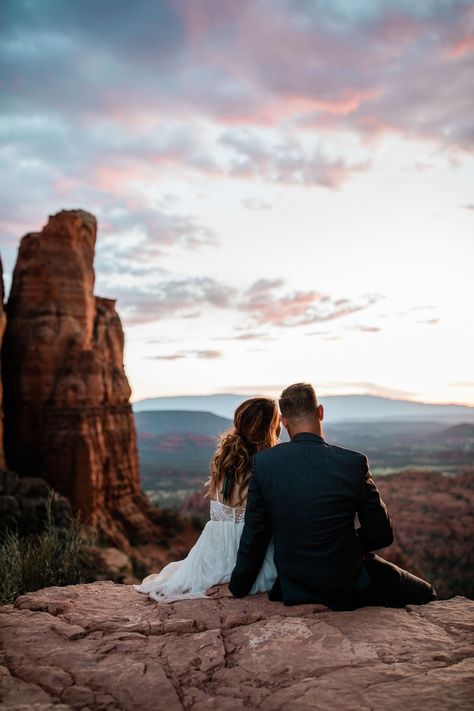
257 90
140 93
265 390
253 203
248 336
207 354
160 229
173 356
368 329
266 303
172 297
370 71
326 388
202 354
286 161
365 388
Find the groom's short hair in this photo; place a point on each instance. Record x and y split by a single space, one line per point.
298 401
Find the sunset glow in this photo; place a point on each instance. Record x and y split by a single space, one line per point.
284 189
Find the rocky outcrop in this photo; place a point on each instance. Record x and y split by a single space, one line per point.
104 646
68 417
3 323
23 504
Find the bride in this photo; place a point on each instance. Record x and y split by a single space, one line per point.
211 560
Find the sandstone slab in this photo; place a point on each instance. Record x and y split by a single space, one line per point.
104 646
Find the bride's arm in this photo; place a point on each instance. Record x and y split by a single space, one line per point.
253 543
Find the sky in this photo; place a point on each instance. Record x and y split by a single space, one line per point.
284 188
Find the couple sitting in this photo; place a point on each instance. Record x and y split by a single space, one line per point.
283 516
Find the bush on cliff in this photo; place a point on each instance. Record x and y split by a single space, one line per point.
54 556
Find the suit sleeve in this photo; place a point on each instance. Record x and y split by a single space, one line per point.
253 542
376 529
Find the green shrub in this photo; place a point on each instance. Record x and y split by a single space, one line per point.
55 556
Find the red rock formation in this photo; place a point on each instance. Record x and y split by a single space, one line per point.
67 413
104 646
433 516
3 322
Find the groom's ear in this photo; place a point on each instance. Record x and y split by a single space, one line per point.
321 412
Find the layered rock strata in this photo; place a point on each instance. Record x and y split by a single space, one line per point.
68 418
3 322
104 646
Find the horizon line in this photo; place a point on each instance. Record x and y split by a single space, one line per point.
322 397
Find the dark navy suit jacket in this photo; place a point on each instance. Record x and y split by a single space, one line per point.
306 493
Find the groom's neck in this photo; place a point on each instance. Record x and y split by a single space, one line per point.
299 426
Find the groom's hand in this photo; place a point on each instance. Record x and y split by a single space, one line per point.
218 591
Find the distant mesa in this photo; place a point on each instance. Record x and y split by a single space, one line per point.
162 422
462 432
339 408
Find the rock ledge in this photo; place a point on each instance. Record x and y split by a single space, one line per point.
104 646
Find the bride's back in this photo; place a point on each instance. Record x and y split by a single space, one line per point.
222 512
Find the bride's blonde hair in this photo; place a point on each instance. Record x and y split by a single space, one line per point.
256 427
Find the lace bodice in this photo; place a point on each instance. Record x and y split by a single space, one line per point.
222 512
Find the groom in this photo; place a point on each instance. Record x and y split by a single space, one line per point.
306 494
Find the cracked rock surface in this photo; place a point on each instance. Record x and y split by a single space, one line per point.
104 646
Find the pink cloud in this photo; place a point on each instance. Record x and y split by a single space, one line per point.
369 329
461 47
266 303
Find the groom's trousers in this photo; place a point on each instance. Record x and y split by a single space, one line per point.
393 586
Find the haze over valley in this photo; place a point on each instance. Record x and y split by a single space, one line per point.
176 444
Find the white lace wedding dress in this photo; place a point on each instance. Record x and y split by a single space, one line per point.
209 562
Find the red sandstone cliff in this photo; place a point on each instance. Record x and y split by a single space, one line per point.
3 321
67 413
